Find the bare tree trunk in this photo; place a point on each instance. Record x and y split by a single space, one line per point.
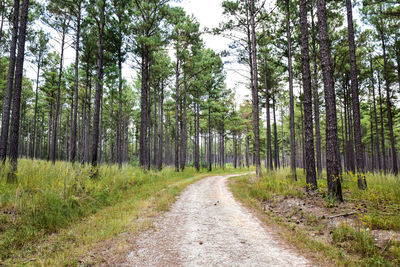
161 129
210 139
332 142
19 69
58 98
255 90
276 146
184 124
197 135
99 88
378 153
389 107
72 155
177 116
362 182
291 105
382 127
268 119
33 149
316 98
5 120
311 178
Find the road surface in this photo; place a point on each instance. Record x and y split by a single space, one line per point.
208 227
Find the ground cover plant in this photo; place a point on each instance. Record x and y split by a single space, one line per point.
47 198
364 229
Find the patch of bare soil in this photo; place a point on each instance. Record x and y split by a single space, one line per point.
207 227
319 219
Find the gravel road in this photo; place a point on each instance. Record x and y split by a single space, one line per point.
208 227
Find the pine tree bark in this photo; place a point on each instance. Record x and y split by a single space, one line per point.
378 153
291 100
255 90
72 153
19 69
311 178
184 124
382 127
177 100
276 146
33 150
197 135
99 87
161 129
143 158
268 119
155 128
53 150
5 119
210 139
362 182
316 99
332 142
389 106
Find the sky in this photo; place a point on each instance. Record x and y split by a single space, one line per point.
209 14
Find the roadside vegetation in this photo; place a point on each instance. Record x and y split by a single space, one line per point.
48 200
362 231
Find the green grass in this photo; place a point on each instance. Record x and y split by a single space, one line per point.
48 200
380 205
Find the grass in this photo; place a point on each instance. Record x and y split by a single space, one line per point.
379 208
66 211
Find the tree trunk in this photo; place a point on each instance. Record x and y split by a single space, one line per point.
72 153
210 140
291 100
58 99
378 153
276 146
316 99
255 90
33 151
19 69
268 120
143 157
5 120
389 106
362 182
112 159
177 116
99 88
161 129
197 135
332 142
311 178
382 127
155 129
184 124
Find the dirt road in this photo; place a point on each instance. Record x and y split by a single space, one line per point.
207 227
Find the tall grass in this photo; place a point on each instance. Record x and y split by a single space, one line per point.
46 198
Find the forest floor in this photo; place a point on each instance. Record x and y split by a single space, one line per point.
362 231
205 227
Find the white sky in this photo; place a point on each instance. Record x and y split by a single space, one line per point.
209 14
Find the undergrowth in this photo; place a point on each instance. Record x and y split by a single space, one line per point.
47 198
380 206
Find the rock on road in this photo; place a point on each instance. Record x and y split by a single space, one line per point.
207 227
